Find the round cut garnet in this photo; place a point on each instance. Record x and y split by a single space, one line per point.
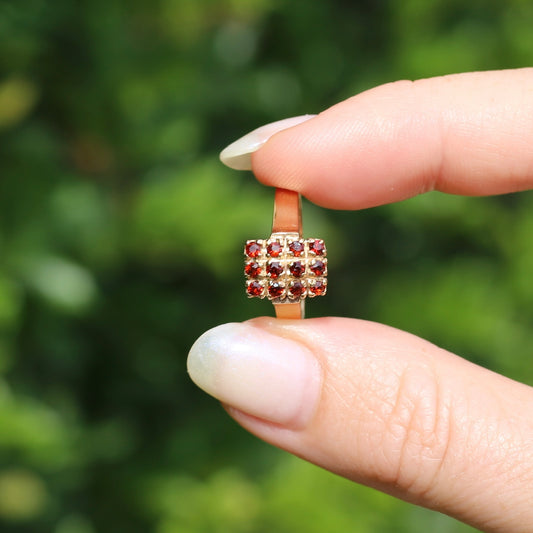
297 269
297 289
318 267
252 269
274 269
317 247
275 289
318 288
296 248
253 249
254 288
274 248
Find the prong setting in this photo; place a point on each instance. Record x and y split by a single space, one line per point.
285 268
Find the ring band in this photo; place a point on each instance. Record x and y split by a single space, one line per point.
285 268
287 221
287 212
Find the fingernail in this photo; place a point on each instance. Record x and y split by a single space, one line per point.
270 377
238 155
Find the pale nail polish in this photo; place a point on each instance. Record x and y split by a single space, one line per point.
270 377
238 155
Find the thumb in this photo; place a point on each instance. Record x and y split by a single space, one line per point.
380 407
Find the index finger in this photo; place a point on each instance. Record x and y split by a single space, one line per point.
469 134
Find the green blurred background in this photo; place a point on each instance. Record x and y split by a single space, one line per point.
121 239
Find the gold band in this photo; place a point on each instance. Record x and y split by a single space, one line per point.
287 212
287 219
290 311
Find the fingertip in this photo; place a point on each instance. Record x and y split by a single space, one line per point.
392 411
462 134
238 155
373 148
257 372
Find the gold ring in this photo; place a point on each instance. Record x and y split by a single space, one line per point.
286 268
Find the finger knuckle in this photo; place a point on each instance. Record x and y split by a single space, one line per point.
418 429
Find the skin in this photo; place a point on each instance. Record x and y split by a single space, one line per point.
396 412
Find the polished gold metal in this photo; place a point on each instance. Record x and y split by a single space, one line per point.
287 220
287 212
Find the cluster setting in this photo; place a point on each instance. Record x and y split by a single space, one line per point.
285 269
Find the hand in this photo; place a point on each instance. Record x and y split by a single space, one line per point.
371 403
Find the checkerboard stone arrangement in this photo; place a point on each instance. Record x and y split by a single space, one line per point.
285 269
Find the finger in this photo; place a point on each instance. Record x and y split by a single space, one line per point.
468 134
380 407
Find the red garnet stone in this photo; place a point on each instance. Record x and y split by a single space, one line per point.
316 246
274 269
253 249
318 267
297 289
296 248
252 269
318 288
275 289
254 288
274 248
297 269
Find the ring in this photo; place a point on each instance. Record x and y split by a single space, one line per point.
286 268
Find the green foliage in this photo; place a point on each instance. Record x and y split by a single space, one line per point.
113 205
